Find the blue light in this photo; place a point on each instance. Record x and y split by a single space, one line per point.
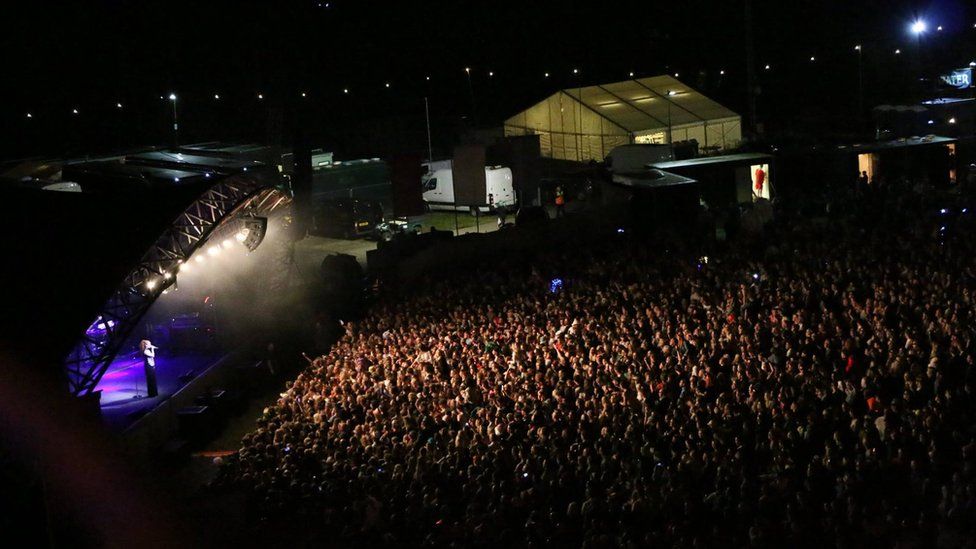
943 211
620 231
555 285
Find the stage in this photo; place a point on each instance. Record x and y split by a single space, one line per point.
123 386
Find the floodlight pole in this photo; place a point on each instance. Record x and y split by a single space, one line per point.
176 125
430 147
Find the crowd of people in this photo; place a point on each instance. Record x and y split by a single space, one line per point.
814 386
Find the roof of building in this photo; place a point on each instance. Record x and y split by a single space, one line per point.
897 144
740 158
648 103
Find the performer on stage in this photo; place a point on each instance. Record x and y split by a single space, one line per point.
149 362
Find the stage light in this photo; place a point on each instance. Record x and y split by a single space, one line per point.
575 71
547 75
184 268
176 179
303 94
29 115
74 111
200 258
918 27
939 28
345 90
952 120
676 75
214 250
428 79
812 59
387 84
118 105
898 52
857 47
631 75
254 229
467 70
216 96
721 73
241 235
172 97
555 285
167 275
931 122
490 73
767 67
151 284
755 276
972 63
672 93
260 96
227 243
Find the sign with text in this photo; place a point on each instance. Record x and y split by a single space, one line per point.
959 78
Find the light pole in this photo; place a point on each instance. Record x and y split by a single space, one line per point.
671 93
918 29
176 125
860 87
474 106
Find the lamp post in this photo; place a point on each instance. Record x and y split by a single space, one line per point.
671 93
918 28
176 125
860 87
474 106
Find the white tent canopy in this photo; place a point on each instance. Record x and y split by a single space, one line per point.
586 123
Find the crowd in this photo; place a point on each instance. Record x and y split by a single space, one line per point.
813 387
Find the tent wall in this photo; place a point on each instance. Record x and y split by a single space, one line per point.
567 129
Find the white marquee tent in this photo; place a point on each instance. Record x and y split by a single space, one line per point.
586 123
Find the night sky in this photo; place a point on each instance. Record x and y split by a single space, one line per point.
92 55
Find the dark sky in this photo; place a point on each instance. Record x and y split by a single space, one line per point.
90 55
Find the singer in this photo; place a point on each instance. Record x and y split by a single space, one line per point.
149 363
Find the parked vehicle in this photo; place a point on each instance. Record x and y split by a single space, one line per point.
439 188
346 218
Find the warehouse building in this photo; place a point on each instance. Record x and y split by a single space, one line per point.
586 123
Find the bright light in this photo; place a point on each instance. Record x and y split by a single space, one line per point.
345 90
242 235
631 75
672 93
176 179
952 120
897 52
29 115
721 72
214 250
812 58
260 96
931 122
167 275
857 47
939 28
185 267
467 70
200 258
490 73
74 111
918 27
547 75
172 97
767 67
151 284
227 243
675 75
303 94
216 96
387 84
972 63
428 79
575 71
118 105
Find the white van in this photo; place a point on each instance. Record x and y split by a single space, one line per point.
438 187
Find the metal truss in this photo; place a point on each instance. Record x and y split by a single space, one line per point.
156 271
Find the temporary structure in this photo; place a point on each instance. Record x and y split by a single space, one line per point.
586 123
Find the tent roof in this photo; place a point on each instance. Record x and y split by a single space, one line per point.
651 103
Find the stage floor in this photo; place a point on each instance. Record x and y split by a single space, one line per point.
123 386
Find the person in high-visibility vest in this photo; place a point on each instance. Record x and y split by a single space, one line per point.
560 202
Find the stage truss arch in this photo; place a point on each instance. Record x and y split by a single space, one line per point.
222 203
